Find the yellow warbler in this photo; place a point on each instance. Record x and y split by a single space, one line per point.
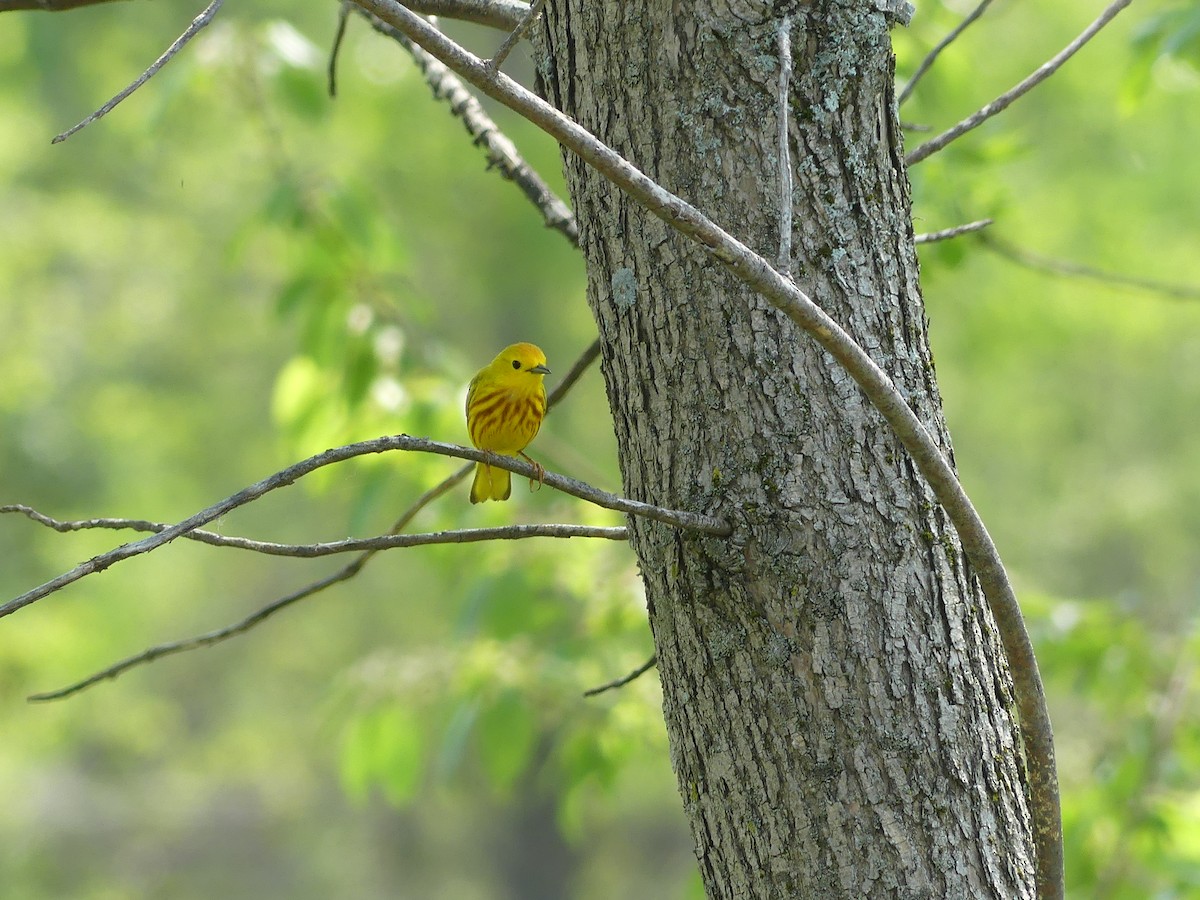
505 407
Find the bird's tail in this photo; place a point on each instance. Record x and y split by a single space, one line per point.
490 484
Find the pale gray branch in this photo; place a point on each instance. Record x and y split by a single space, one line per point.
941 45
192 30
678 518
784 115
758 273
946 233
329 548
503 14
1002 102
515 36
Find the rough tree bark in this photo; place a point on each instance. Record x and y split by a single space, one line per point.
839 713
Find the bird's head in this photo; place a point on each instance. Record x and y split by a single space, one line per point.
521 359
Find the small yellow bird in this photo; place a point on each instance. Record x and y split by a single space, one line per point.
505 407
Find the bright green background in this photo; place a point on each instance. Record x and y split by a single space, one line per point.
230 272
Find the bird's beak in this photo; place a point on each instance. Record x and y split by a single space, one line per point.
541 370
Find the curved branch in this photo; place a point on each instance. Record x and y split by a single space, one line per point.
757 273
946 233
391 541
679 518
350 570
1006 99
624 679
192 30
503 14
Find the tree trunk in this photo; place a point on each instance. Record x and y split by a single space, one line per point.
839 713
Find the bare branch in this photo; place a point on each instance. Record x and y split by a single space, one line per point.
515 36
243 625
941 45
679 518
501 152
198 23
1005 100
783 114
389 541
1070 269
624 680
503 14
946 233
759 274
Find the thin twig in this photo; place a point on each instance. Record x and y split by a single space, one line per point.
388 541
1002 102
621 682
946 233
783 114
1156 753
679 518
941 45
198 23
757 273
1070 269
338 36
515 36
501 152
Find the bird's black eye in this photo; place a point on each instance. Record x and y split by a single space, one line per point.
516 364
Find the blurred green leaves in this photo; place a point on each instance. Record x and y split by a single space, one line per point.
1129 744
1170 37
384 747
507 731
231 271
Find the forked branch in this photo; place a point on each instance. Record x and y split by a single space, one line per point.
679 518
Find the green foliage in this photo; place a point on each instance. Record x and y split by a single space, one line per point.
1128 745
1166 39
506 734
383 747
